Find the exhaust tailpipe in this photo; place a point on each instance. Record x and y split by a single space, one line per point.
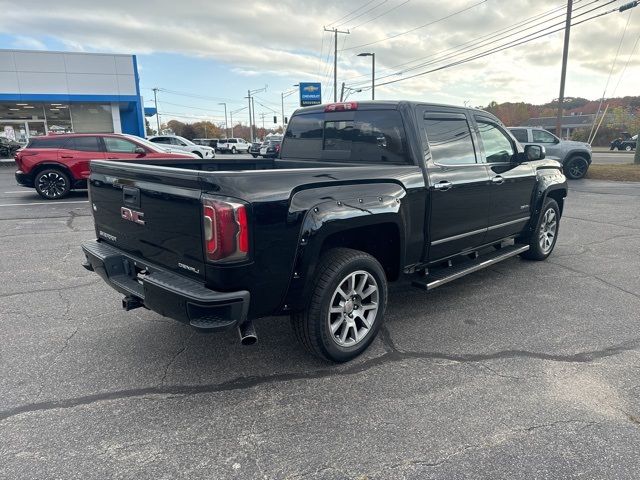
130 302
247 333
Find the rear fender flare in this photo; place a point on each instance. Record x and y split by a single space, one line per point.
341 208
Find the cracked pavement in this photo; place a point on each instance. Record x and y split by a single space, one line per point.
523 370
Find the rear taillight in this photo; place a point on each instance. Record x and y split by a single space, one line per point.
226 231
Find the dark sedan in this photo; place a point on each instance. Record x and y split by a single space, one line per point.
254 149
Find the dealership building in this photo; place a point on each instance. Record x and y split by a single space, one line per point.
60 92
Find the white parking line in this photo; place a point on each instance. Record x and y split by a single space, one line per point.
21 191
41 203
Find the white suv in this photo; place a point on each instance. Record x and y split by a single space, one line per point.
175 143
233 145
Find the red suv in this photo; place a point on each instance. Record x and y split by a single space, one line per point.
55 164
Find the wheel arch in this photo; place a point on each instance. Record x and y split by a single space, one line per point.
50 164
374 224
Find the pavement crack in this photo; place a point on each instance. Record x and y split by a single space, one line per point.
244 383
56 289
180 351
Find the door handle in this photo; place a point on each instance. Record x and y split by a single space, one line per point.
66 156
112 158
443 186
498 180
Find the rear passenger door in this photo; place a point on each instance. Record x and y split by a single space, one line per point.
77 152
512 181
458 182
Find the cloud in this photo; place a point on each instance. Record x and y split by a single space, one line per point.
285 39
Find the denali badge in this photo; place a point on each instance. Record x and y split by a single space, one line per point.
188 267
132 215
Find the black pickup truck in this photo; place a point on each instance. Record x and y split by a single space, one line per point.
361 194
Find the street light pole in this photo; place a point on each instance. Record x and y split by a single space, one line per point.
226 125
563 75
155 98
282 96
373 72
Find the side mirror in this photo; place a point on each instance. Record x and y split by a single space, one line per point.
140 151
534 152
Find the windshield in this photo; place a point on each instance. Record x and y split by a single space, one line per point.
188 142
150 145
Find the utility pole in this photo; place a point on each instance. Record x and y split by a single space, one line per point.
226 126
563 75
250 119
342 92
262 117
253 127
155 99
335 58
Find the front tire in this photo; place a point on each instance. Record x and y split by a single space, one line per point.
52 184
628 148
346 306
576 167
198 153
543 238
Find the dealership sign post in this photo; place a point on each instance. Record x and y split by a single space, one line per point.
310 94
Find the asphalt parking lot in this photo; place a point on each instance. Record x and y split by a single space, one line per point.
524 370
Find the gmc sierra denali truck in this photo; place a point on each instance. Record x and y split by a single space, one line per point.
360 195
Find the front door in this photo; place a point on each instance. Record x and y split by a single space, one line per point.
459 184
512 183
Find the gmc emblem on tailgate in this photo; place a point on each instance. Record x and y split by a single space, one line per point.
132 215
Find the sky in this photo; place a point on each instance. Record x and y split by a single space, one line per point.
203 53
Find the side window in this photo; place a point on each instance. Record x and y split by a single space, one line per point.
118 145
450 140
542 136
520 134
379 137
84 144
497 145
233 140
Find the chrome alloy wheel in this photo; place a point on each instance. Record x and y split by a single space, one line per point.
548 229
52 184
353 309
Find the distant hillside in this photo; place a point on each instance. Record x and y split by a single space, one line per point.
517 113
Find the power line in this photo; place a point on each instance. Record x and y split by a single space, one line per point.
381 15
488 36
187 106
352 12
545 31
633 50
417 28
490 52
363 13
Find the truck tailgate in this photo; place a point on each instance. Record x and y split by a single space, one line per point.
152 214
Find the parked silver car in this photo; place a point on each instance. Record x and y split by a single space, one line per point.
574 156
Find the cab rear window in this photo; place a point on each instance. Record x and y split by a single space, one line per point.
366 136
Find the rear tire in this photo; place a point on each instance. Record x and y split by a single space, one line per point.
628 148
576 167
346 306
543 238
52 184
233 150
